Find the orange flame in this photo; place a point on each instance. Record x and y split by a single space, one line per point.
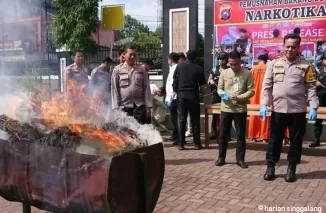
111 141
74 109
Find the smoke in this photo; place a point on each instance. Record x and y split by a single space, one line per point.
17 105
16 95
15 100
147 133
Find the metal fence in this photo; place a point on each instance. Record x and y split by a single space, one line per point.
49 63
151 51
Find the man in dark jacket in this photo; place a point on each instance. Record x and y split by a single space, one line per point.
213 81
188 77
321 92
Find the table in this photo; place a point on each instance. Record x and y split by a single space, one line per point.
253 109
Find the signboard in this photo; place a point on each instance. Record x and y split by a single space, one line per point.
228 12
11 45
113 17
13 58
307 50
245 25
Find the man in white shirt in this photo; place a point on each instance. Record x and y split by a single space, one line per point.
171 96
306 52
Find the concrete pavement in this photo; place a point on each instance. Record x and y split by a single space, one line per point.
193 184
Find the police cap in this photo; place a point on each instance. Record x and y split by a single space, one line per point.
223 56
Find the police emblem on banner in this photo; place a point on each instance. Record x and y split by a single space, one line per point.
225 10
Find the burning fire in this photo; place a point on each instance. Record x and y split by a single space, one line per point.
75 107
77 110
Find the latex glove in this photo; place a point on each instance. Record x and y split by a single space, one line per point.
313 114
224 96
263 112
168 104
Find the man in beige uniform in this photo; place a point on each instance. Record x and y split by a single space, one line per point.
76 72
235 87
130 88
290 82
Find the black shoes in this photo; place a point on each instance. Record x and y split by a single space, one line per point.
316 143
290 176
181 147
220 162
242 164
270 173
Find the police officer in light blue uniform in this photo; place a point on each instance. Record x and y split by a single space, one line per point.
290 83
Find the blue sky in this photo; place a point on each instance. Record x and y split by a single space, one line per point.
146 11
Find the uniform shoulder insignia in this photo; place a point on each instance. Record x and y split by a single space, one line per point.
310 75
116 69
303 64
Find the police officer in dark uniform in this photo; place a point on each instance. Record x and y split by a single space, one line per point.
321 93
213 81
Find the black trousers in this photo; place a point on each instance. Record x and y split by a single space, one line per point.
240 120
318 130
296 122
174 119
191 106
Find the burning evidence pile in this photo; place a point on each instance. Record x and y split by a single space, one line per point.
73 122
68 154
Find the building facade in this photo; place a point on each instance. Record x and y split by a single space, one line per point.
25 35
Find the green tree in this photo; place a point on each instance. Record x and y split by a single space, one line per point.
74 24
132 28
146 38
159 32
